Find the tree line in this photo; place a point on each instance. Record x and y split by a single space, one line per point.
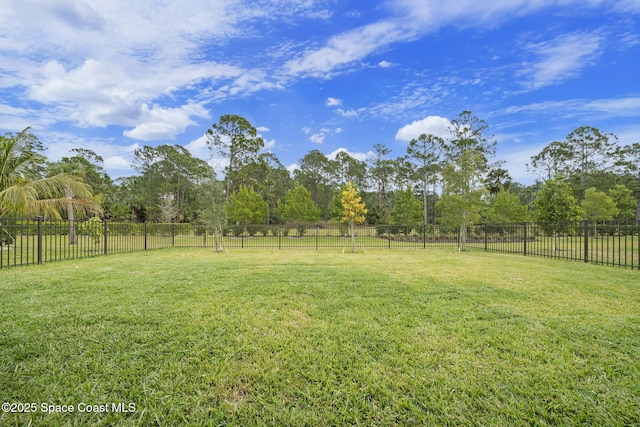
452 181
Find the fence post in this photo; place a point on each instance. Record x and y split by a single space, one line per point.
586 240
486 237
280 231
39 240
145 235
317 232
173 234
104 235
524 225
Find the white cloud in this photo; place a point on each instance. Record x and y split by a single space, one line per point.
337 130
611 107
306 130
562 58
349 47
385 64
317 138
356 155
333 102
159 123
262 129
435 125
347 113
117 163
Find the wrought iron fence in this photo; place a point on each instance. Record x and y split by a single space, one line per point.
25 241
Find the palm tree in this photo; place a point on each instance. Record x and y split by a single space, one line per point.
24 190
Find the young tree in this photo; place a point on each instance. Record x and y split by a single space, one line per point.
354 211
598 206
234 138
298 206
467 154
246 207
213 212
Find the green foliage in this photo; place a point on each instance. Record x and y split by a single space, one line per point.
625 202
298 206
555 203
24 188
247 207
234 138
598 206
93 227
506 207
407 209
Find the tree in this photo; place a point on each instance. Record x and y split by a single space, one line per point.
426 151
24 190
213 212
590 150
497 180
467 155
316 173
555 206
298 207
354 211
73 167
625 202
169 171
552 160
598 206
234 138
407 210
246 207
506 207
270 179
381 171
348 169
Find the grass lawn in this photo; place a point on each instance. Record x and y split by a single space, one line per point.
416 337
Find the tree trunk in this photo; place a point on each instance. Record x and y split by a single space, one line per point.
462 244
73 237
353 235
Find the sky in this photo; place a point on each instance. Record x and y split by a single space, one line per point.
328 75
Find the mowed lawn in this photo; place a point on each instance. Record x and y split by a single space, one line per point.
401 337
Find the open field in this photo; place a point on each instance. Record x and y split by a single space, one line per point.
403 337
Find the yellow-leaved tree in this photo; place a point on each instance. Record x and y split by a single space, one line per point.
354 210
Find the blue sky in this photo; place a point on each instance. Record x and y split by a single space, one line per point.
330 75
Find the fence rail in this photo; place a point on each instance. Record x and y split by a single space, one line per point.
25 241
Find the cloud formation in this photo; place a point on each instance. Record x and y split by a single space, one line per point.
434 125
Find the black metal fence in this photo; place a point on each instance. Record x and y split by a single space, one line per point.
25 241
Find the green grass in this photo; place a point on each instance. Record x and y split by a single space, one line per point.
414 337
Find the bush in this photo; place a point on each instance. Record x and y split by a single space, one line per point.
93 227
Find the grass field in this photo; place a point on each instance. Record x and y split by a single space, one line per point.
403 337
